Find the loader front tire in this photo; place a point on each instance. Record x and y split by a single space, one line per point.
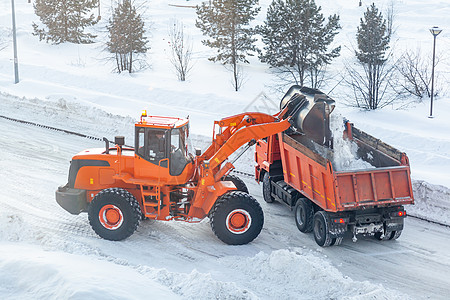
236 218
239 183
114 214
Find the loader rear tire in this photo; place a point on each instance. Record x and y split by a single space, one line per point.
239 183
304 214
321 229
114 214
236 218
267 193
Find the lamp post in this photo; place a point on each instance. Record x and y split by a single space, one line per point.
16 62
435 32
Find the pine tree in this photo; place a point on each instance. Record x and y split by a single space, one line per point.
126 36
64 21
297 39
373 42
226 22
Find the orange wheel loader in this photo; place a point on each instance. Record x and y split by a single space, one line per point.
158 179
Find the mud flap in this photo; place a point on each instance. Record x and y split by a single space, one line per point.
395 224
338 229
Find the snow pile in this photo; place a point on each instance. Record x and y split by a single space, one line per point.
11 227
301 274
432 202
344 150
56 112
27 272
196 285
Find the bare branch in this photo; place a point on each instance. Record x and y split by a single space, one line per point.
181 50
415 74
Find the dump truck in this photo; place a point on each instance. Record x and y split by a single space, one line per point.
297 168
159 179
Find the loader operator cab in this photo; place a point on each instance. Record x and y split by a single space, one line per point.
162 141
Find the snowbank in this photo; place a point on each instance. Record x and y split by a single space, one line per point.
28 272
300 272
432 202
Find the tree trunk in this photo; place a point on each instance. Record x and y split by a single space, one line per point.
233 54
130 62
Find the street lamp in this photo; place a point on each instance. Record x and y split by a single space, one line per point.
435 32
16 62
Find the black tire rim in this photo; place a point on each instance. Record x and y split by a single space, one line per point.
301 215
319 229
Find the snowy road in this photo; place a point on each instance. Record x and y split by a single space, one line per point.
188 259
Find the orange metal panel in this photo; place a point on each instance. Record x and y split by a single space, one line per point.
106 176
274 147
365 187
383 185
346 191
401 180
374 187
308 177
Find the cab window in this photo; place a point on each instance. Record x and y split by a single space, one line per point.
178 151
151 145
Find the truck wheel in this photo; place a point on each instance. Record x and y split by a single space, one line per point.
336 241
304 215
387 236
240 185
236 218
114 214
395 235
267 193
321 229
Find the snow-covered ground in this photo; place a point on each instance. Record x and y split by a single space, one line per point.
46 253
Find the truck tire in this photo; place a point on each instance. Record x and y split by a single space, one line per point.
236 218
267 193
304 214
321 229
239 183
386 237
395 234
114 214
336 241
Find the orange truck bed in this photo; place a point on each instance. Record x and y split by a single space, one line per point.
314 177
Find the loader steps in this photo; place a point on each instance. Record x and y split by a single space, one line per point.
151 198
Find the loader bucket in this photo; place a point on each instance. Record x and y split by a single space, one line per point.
310 111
